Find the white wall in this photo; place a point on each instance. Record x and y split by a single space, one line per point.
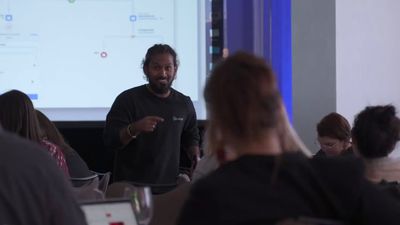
367 55
313 65
346 55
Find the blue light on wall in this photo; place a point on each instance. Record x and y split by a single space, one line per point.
242 34
279 18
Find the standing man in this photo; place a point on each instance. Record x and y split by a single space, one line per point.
153 128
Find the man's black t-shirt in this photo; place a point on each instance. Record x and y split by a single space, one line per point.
152 158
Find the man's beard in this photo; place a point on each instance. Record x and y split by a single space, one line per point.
160 88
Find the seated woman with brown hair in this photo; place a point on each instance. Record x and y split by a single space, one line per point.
76 166
334 135
17 115
270 179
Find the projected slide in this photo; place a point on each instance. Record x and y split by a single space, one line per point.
75 54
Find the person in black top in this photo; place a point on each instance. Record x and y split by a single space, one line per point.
270 180
153 128
334 136
376 131
33 190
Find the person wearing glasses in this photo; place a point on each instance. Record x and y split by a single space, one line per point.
152 128
334 136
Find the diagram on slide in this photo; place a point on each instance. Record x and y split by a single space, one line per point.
66 53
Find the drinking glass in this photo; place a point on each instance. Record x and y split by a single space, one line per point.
142 203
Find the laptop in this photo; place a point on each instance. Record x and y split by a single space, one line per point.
109 212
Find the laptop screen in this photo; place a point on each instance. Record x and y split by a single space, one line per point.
109 212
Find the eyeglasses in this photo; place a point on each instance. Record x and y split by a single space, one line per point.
328 145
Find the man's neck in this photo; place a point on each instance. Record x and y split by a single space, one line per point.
164 95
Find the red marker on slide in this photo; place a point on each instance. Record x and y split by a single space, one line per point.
103 54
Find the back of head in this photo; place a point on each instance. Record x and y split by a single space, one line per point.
335 126
242 96
243 102
17 115
376 131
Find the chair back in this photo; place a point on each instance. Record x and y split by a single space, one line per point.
92 187
89 191
81 181
104 181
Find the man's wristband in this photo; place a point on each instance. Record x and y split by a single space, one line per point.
128 130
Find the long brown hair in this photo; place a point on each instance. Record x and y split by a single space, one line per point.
17 115
50 132
243 101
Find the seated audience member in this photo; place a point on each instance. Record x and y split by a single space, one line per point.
270 180
375 133
33 190
76 166
17 115
334 136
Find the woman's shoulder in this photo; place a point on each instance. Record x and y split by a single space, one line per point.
49 145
